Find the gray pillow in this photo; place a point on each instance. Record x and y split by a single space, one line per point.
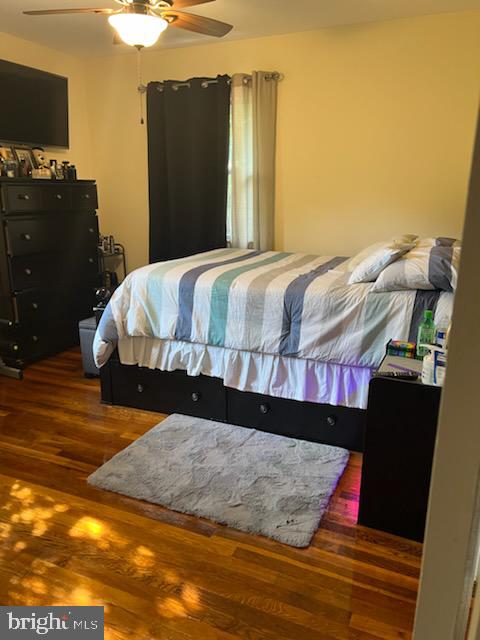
432 264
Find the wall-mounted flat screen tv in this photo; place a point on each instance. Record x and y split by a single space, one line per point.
33 106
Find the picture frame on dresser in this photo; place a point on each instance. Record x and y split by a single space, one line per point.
6 153
25 154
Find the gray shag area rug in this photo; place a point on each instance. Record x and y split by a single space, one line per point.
250 480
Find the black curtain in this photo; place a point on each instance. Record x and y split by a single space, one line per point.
188 139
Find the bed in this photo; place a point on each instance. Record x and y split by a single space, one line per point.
266 339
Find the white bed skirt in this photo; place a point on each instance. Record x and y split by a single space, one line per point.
278 376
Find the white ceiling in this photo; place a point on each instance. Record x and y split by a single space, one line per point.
91 35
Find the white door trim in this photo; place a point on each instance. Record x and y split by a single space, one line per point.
451 540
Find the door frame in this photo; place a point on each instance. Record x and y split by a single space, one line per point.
453 520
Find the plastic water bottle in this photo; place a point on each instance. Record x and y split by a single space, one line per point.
426 334
442 332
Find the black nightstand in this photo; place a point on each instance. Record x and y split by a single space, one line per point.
397 463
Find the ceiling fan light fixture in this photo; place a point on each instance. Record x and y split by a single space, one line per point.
138 29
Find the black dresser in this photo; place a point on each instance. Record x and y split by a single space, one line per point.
48 265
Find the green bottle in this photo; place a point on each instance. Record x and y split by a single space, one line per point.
426 334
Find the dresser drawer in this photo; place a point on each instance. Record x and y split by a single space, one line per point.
21 198
56 197
42 269
9 348
48 323
84 197
35 342
27 235
34 270
52 195
55 305
168 392
316 422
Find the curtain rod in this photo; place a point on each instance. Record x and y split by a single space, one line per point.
274 75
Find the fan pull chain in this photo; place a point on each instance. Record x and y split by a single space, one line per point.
141 87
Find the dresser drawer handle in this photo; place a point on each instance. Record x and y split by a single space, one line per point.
91 230
26 236
86 196
23 196
28 271
35 305
58 196
91 260
264 408
35 338
196 396
140 388
332 421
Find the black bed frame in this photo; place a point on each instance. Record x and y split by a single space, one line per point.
206 397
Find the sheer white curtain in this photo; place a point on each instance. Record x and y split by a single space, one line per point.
251 202
240 227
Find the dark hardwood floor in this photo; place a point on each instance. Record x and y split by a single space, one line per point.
160 574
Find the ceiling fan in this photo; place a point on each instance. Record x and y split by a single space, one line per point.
139 23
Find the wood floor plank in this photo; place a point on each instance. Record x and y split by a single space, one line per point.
165 575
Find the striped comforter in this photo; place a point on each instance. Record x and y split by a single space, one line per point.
286 304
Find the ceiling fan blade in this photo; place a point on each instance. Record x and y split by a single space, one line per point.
180 4
199 24
50 12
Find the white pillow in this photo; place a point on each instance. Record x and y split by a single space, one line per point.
369 263
432 264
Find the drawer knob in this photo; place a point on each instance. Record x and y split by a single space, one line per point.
34 305
264 408
58 196
26 236
196 396
35 338
140 388
91 230
87 196
28 271
332 421
23 196
91 260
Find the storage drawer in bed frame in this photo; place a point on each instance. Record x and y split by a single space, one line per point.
324 423
205 397
168 392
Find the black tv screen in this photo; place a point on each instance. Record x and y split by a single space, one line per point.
34 106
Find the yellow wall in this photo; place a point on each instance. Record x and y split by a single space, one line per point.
375 127
33 55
